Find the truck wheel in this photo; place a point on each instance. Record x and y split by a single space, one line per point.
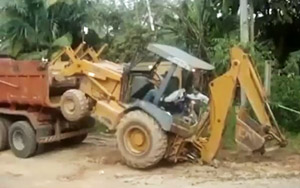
141 141
3 136
74 105
4 125
22 139
74 140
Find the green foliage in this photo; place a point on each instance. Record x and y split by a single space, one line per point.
127 46
31 26
262 53
126 30
219 53
35 55
286 92
194 24
65 40
229 132
277 11
292 64
294 142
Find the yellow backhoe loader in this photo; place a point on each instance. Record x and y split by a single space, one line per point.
153 117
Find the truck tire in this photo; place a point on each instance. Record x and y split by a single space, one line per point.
3 136
22 139
74 140
141 141
4 125
74 105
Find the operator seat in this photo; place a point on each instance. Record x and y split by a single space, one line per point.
172 86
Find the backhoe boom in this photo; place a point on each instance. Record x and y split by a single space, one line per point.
222 90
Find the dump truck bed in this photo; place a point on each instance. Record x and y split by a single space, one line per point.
23 83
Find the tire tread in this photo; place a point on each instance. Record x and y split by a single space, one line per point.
160 140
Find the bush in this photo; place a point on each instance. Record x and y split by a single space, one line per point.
286 91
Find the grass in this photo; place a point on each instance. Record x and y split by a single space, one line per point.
100 128
293 142
229 133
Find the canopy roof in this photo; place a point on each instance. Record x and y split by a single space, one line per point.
179 57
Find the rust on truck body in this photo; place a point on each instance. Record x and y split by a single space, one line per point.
23 83
29 93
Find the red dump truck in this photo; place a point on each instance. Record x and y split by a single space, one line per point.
30 108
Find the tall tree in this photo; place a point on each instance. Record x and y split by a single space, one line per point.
35 26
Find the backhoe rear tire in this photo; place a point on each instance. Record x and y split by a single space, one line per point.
141 141
74 105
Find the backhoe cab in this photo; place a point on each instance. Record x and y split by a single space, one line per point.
155 120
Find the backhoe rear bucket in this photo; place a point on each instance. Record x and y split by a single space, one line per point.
249 133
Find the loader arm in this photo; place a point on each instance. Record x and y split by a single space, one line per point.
222 94
99 79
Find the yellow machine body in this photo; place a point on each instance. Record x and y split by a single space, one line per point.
252 135
101 80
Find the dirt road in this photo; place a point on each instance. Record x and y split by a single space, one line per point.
91 165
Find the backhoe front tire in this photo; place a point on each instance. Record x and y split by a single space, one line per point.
141 141
74 105
22 139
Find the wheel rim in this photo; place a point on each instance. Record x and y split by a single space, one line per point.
69 106
18 140
137 140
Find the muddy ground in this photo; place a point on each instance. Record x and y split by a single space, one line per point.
95 164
